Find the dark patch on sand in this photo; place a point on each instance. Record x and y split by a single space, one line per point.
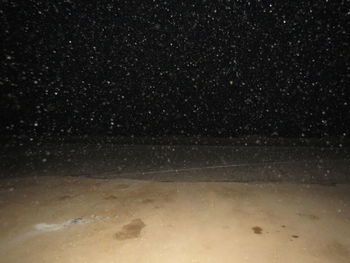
257 230
64 197
295 236
111 197
131 230
121 186
308 216
147 201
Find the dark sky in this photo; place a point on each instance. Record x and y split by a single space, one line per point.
212 68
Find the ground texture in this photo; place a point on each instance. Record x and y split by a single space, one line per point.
77 219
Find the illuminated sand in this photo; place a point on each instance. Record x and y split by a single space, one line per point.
93 220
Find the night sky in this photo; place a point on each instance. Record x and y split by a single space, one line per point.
157 68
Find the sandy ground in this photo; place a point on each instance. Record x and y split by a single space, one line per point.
76 219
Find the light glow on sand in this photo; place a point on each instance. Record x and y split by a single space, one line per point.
92 220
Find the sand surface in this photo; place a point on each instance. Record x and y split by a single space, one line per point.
73 219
